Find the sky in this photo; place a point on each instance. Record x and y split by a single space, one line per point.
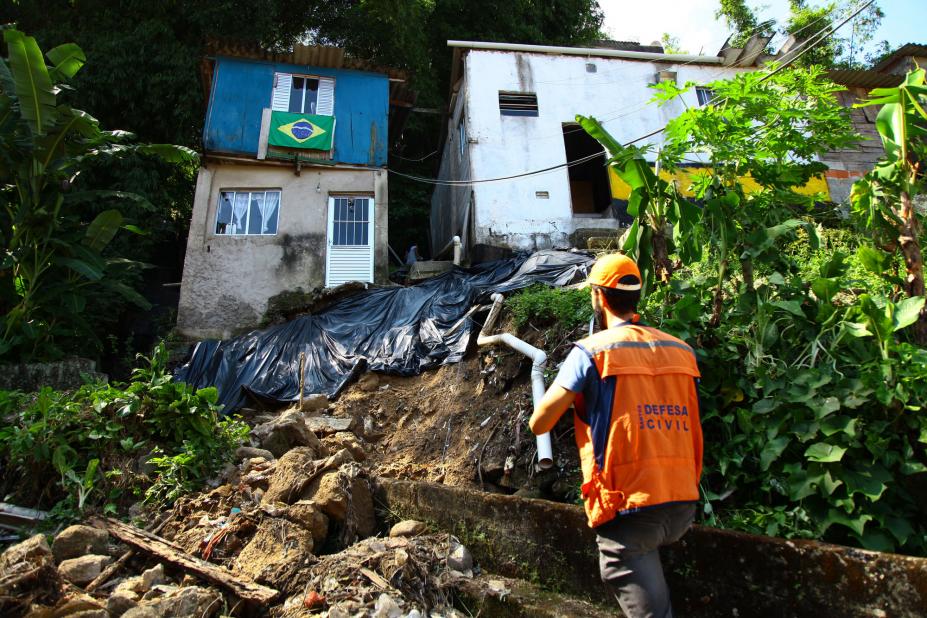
694 23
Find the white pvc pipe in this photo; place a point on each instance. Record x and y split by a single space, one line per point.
539 360
456 241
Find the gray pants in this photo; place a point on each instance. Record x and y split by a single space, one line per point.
629 557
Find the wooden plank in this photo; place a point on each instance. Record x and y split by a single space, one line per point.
241 586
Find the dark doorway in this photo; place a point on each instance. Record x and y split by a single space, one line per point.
589 187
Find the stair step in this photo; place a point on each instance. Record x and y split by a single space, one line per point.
505 597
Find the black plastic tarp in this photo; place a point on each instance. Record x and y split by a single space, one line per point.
396 330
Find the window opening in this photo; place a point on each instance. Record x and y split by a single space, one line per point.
351 221
704 95
518 103
461 136
590 191
247 213
304 95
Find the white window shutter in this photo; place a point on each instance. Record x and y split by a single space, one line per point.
326 101
281 99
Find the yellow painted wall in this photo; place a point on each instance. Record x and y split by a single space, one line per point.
621 191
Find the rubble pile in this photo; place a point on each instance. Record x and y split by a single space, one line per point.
289 530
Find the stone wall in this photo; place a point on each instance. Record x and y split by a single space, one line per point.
62 375
711 572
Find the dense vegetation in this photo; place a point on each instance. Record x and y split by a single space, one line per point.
106 446
814 378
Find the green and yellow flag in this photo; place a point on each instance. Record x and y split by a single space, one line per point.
301 131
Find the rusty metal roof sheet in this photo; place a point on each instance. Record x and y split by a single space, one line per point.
908 49
865 79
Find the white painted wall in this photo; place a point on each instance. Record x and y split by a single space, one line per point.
508 213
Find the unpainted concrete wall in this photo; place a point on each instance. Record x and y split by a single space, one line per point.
509 213
849 164
710 572
227 280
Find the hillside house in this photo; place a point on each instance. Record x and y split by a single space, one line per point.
513 107
849 164
292 191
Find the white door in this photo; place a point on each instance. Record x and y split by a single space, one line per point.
350 240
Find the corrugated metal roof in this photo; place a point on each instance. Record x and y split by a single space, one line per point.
865 79
908 49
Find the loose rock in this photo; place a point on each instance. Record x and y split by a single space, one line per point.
286 432
276 552
346 439
408 528
308 515
313 402
180 603
289 479
459 558
83 570
324 425
153 577
79 540
250 452
120 602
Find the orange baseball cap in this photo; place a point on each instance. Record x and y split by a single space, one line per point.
609 269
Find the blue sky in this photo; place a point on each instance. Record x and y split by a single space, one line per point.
693 21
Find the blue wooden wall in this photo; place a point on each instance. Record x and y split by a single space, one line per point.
242 88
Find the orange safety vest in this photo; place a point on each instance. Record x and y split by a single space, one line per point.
644 447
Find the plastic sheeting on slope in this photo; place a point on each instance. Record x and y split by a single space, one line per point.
392 330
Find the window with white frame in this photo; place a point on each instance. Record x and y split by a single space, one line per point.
247 212
303 94
704 95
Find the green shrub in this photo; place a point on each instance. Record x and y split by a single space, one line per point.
542 306
813 402
89 448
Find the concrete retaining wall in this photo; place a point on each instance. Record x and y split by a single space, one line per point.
61 375
711 572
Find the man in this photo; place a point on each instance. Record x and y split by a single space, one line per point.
638 433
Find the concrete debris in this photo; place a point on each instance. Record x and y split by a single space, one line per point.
324 425
83 570
79 540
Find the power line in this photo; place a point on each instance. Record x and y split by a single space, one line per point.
816 38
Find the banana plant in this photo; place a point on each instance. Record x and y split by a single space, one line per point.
885 196
655 205
53 256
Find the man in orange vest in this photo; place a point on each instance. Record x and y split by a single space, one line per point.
637 426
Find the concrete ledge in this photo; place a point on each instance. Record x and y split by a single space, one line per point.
711 572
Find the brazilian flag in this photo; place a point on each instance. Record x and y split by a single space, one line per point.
301 131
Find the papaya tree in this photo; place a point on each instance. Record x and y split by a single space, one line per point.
54 238
763 130
885 197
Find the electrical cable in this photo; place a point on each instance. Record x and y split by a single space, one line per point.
817 38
